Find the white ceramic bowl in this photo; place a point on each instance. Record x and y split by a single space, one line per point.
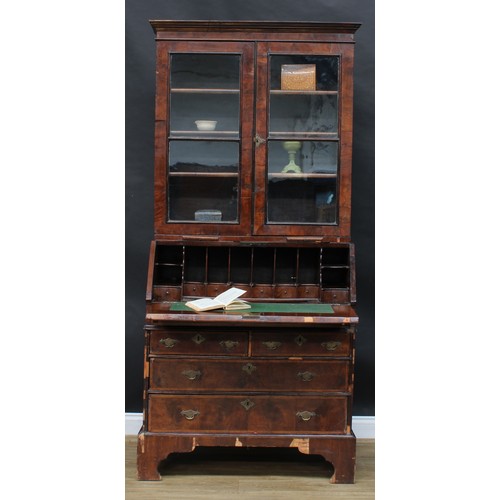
205 124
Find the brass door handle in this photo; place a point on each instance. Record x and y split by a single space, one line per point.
331 346
249 368
192 374
189 414
305 415
271 345
169 343
228 344
306 376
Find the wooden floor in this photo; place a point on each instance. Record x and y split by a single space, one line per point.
228 473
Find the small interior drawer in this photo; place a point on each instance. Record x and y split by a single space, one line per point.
166 293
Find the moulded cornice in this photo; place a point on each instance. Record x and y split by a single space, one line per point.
263 26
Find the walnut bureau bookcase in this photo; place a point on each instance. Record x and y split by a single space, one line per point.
253 146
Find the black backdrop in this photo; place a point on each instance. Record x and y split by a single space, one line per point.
139 130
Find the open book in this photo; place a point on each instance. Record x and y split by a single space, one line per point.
227 300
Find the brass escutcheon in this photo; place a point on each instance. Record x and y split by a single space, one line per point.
247 404
331 346
306 376
249 368
258 140
305 415
169 343
300 340
189 414
271 345
198 339
228 344
192 374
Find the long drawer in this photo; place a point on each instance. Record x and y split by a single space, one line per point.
332 343
249 375
202 342
244 413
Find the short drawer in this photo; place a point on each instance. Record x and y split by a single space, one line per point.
166 293
308 291
335 296
332 343
248 413
285 292
200 342
262 292
215 289
194 290
255 376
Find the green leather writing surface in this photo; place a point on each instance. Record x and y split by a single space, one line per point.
269 307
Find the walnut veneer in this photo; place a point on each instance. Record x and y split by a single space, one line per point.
227 213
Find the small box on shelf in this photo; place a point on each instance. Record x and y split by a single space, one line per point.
298 77
208 215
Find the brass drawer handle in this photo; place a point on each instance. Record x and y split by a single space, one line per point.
249 368
169 343
305 415
331 346
228 344
306 376
271 345
189 414
192 374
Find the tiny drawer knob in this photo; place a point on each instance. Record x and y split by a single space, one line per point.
305 415
331 346
189 414
169 343
192 374
272 345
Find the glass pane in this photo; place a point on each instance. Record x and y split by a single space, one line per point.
212 114
205 71
204 156
325 72
203 181
304 95
302 182
294 113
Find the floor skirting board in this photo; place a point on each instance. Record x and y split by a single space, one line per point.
363 427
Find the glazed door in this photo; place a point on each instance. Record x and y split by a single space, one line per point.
303 139
204 138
